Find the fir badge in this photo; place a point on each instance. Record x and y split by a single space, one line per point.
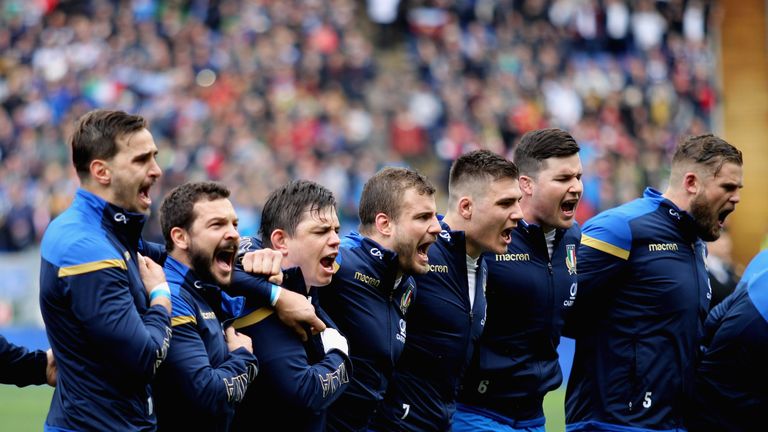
570 258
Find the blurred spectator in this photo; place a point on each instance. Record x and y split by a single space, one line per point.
722 274
18 222
254 93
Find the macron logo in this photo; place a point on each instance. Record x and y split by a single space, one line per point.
656 247
438 268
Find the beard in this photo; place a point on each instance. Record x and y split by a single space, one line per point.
124 196
707 222
201 264
406 258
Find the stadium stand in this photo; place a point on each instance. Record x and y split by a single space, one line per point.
254 93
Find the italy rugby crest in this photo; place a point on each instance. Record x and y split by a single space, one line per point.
570 258
405 300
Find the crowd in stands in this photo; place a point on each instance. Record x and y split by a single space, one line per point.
254 93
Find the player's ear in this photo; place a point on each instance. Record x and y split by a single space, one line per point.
279 240
100 172
465 207
691 182
383 224
526 185
180 238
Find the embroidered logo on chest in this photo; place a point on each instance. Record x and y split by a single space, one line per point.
570 258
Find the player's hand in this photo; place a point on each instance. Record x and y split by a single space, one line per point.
152 273
51 371
333 340
237 340
294 309
153 276
265 262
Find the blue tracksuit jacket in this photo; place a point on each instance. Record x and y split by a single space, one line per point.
442 332
297 381
731 391
643 297
20 366
201 381
107 341
528 295
370 310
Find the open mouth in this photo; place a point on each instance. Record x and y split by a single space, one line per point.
421 251
569 206
224 258
507 234
721 217
144 195
327 262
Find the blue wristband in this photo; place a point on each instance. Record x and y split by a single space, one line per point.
161 290
274 294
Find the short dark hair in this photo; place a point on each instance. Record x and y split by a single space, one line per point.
177 209
96 135
285 206
479 165
383 193
538 145
707 150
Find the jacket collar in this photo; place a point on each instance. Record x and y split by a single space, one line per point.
535 229
222 304
454 239
681 218
376 251
385 260
293 279
125 225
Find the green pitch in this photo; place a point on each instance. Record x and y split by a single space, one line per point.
554 410
24 409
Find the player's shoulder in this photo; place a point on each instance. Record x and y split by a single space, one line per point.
612 229
182 304
757 287
623 213
249 244
70 242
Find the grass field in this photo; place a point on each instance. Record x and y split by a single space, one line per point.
554 410
24 409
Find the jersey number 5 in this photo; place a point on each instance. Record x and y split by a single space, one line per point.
647 400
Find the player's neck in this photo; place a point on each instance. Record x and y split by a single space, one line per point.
679 198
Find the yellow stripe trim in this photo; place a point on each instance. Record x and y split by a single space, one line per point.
91 267
605 247
180 320
252 318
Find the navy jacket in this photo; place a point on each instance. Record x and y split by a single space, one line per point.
297 381
643 297
442 332
528 296
255 290
107 341
201 381
731 391
370 310
20 366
